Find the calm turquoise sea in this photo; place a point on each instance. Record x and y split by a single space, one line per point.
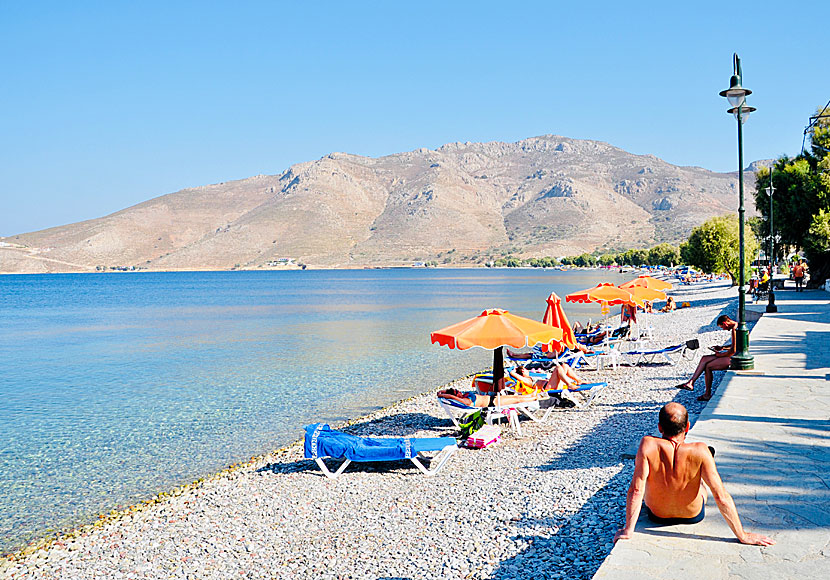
117 386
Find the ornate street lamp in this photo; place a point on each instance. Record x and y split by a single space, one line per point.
771 307
736 95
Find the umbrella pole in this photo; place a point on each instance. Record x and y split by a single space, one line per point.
498 369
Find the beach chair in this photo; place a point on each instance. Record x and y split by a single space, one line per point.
596 389
669 354
573 358
456 409
321 441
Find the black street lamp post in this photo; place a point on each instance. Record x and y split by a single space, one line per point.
771 307
736 95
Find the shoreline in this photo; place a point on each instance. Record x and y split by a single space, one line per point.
270 474
318 267
50 537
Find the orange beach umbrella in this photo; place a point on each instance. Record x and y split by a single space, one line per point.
493 329
641 293
555 316
605 292
649 282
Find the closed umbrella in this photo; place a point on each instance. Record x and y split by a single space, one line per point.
555 316
494 329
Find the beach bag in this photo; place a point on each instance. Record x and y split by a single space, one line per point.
620 332
471 423
693 344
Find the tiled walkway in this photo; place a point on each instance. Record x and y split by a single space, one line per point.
772 435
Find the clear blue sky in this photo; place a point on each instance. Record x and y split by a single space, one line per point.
107 104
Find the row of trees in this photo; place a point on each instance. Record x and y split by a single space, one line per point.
662 254
659 255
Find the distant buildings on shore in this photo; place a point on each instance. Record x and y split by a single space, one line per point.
281 262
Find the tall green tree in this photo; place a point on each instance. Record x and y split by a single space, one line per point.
664 255
801 201
714 247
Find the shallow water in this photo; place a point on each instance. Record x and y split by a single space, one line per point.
118 386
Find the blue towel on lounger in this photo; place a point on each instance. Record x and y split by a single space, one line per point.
322 441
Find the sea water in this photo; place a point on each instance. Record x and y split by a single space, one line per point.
117 386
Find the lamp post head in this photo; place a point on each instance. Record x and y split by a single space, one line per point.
735 94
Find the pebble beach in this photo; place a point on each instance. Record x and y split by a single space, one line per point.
544 504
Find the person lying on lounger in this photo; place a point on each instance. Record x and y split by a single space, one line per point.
669 475
561 377
619 332
536 353
472 399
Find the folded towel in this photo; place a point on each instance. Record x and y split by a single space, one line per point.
322 441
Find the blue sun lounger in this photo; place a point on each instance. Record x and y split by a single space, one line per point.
321 441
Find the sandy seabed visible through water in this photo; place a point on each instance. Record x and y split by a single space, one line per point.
543 505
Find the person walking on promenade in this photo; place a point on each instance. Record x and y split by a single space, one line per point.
799 269
669 474
719 361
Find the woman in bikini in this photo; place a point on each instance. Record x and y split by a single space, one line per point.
472 399
561 376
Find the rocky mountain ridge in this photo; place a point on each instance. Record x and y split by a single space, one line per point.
459 203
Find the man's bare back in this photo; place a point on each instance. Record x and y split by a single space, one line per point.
673 487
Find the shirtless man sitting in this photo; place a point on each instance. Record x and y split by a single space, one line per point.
719 361
669 473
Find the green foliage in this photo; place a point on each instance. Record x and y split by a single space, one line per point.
714 246
633 257
759 227
800 192
817 240
801 200
663 255
585 260
547 262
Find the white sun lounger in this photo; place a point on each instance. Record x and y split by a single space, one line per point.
455 409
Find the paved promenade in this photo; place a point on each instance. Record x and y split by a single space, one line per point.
772 435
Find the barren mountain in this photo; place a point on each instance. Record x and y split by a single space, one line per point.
545 196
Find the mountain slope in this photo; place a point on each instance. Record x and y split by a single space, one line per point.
545 196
